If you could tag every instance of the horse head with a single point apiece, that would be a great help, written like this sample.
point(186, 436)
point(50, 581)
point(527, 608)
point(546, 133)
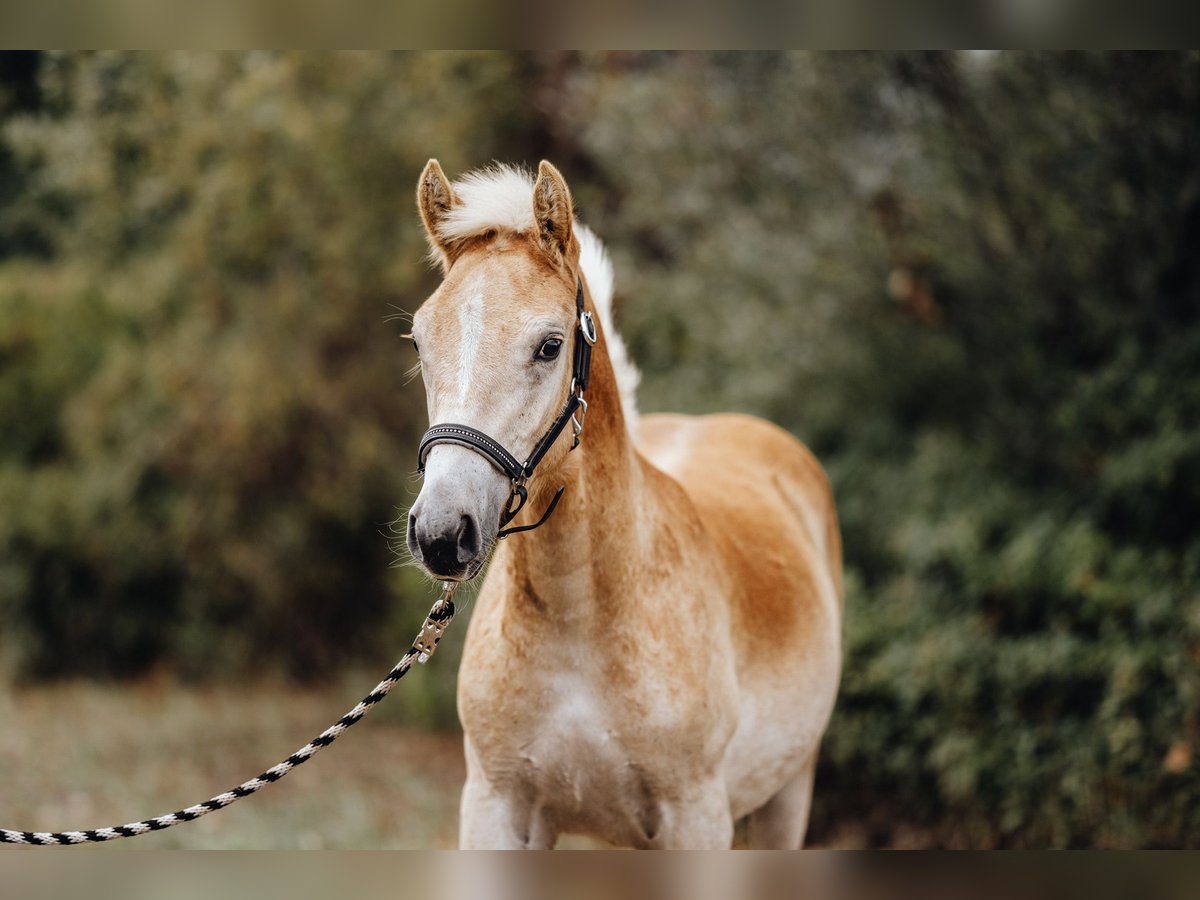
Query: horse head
point(497, 342)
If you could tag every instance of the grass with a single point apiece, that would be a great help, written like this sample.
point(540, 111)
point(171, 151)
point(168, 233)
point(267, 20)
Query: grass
point(83, 755)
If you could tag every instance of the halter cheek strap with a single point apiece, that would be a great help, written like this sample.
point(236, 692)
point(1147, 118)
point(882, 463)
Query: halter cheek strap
point(573, 411)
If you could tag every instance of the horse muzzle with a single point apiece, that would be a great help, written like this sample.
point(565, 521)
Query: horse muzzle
point(446, 548)
point(452, 527)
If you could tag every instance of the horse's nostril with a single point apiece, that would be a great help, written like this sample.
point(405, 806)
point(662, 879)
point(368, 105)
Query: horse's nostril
point(444, 549)
point(468, 540)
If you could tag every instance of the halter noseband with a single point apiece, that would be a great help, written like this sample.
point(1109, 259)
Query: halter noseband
point(519, 473)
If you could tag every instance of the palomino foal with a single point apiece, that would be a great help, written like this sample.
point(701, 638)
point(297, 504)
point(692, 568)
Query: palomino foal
point(661, 657)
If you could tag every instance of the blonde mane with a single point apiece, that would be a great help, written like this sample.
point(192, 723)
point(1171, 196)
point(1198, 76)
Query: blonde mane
point(500, 198)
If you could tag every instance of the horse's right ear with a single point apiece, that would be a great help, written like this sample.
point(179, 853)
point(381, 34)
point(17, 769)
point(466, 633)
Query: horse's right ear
point(435, 198)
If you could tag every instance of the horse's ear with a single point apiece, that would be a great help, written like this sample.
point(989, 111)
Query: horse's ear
point(435, 198)
point(552, 212)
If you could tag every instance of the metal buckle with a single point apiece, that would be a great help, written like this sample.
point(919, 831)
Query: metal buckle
point(587, 327)
point(516, 500)
point(578, 417)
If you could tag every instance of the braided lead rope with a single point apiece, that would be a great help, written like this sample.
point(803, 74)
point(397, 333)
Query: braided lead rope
point(422, 649)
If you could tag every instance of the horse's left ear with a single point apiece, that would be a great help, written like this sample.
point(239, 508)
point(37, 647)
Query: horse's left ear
point(553, 213)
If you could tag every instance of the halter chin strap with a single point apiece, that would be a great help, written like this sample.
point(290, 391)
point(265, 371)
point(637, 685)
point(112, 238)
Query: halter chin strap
point(519, 473)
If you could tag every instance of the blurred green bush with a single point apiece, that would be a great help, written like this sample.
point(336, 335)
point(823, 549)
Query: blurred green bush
point(206, 424)
point(969, 281)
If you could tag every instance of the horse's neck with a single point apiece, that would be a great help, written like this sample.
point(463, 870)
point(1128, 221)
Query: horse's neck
point(572, 569)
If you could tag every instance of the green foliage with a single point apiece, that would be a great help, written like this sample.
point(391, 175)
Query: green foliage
point(971, 285)
point(209, 429)
point(968, 282)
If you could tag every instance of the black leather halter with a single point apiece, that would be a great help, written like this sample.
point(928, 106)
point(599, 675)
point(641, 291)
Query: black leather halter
point(491, 449)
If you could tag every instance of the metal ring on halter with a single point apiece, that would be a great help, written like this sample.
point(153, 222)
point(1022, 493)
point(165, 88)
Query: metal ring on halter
point(578, 417)
point(515, 503)
point(587, 327)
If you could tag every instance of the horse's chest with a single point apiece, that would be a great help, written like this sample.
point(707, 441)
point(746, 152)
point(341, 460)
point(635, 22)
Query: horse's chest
point(577, 755)
point(578, 744)
point(595, 774)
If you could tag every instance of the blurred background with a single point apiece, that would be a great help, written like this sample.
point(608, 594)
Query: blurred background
point(969, 281)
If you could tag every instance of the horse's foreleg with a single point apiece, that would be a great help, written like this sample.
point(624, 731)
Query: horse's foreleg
point(495, 820)
point(781, 822)
point(701, 821)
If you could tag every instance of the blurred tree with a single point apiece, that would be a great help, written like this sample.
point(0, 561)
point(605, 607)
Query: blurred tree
point(19, 94)
point(970, 283)
point(209, 429)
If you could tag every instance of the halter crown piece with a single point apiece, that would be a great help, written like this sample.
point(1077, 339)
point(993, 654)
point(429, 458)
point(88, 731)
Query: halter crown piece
point(491, 449)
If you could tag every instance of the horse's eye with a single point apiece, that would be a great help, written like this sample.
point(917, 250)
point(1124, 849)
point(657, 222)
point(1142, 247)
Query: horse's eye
point(550, 349)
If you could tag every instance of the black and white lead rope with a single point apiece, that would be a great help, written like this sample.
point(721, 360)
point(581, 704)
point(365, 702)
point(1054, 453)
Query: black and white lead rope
point(431, 633)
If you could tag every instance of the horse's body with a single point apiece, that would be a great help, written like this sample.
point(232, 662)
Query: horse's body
point(662, 656)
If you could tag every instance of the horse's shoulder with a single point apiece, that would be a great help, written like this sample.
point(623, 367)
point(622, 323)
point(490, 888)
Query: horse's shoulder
point(761, 492)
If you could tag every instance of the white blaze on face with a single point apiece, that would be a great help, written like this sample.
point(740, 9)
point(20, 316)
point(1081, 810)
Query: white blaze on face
point(470, 327)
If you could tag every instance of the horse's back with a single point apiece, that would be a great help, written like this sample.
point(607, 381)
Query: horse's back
point(766, 503)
